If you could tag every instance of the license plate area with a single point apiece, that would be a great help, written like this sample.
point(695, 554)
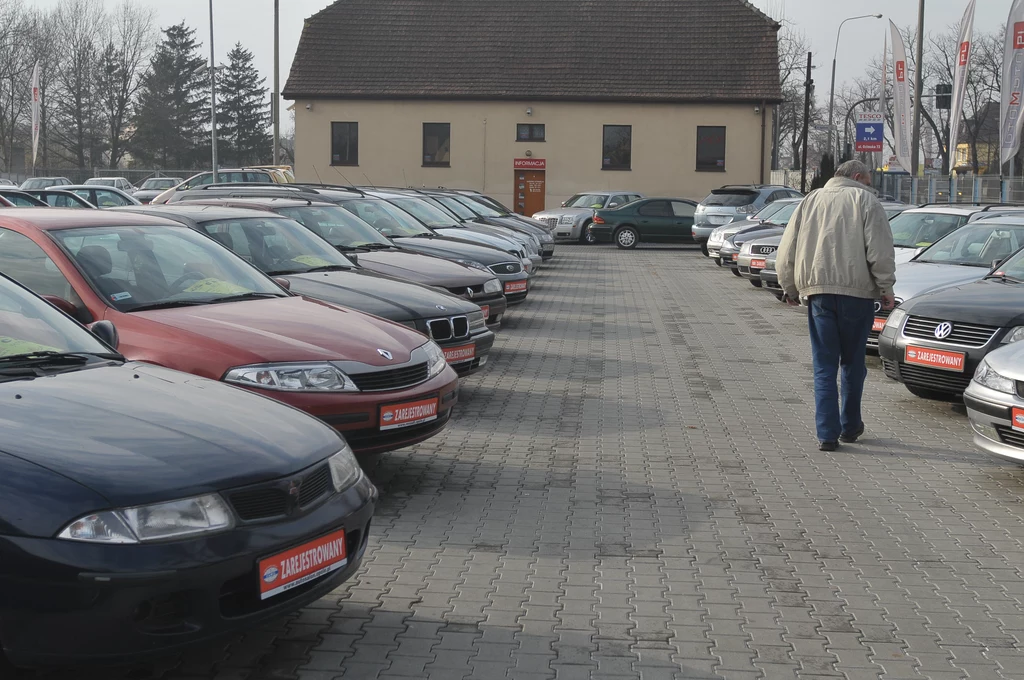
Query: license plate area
point(461, 353)
point(408, 413)
point(935, 358)
point(515, 287)
point(757, 264)
point(877, 325)
point(486, 309)
point(304, 563)
point(1017, 419)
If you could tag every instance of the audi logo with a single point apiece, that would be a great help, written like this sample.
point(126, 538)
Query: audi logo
point(943, 330)
point(767, 250)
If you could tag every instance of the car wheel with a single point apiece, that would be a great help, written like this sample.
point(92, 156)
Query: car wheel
point(718, 261)
point(934, 395)
point(704, 248)
point(756, 283)
point(627, 238)
point(586, 238)
point(735, 272)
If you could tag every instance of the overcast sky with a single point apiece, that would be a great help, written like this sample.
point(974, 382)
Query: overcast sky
point(251, 22)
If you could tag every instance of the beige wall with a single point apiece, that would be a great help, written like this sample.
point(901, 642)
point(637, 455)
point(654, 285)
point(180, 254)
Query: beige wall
point(483, 145)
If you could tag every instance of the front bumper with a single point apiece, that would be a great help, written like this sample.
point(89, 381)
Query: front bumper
point(516, 288)
point(547, 250)
point(701, 232)
point(730, 256)
point(770, 280)
point(569, 232)
point(358, 414)
point(991, 416)
point(746, 270)
point(469, 355)
point(892, 349)
point(69, 603)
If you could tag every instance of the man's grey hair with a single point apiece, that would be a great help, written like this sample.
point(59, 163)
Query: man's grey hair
point(852, 169)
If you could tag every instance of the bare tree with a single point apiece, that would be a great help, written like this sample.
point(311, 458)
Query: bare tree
point(793, 49)
point(76, 104)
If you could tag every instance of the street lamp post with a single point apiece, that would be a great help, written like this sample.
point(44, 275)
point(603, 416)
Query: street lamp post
point(832, 89)
point(276, 103)
point(915, 147)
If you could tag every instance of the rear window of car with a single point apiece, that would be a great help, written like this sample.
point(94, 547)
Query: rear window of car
point(730, 199)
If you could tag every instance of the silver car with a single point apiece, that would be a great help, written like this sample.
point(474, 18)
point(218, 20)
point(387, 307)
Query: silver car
point(719, 235)
point(995, 405)
point(573, 219)
point(733, 203)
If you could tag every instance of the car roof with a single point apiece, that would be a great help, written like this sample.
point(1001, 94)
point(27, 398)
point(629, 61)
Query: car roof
point(199, 212)
point(266, 202)
point(961, 210)
point(47, 219)
point(90, 187)
point(606, 192)
point(668, 198)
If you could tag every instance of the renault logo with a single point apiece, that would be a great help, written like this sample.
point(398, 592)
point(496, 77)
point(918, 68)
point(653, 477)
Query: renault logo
point(943, 330)
point(469, 292)
point(384, 353)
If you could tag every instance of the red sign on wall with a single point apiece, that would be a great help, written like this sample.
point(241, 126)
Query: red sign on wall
point(530, 164)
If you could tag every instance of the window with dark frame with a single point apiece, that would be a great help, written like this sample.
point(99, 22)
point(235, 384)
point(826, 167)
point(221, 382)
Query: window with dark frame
point(617, 149)
point(710, 148)
point(530, 132)
point(344, 143)
point(437, 142)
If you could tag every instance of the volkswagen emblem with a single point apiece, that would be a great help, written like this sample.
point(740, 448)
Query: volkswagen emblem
point(878, 306)
point(441, 307)
point(384, 353)
point(943, 330)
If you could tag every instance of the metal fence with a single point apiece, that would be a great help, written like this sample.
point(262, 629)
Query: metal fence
point(975, 189)
point(79, 175)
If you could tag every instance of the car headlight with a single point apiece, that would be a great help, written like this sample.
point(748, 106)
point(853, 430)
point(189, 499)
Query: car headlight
point(546, 238)
point(1014, 335)
point(435, 359)
point(476, 321)
point(474, 265)
point(896, 318)
point(492, 286)
point(344, 469)
point(566, 219)
point(156, 522)
point(987, 376)
point(318, 377)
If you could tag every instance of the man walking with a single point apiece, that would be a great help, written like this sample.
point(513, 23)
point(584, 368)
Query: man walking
point(837, 251)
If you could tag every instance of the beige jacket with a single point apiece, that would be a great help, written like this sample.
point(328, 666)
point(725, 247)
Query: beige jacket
point(838, 242)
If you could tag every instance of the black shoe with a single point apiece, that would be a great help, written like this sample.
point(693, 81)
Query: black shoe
point(851, 437)
point(828, 446)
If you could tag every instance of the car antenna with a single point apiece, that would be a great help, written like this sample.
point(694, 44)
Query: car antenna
point(368, 181)
point(342, 175)
point(317, 175)
point(404, 178)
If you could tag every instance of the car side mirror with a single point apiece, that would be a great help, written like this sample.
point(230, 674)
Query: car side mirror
point(106, 332)
point(283, 282)
point(996, 263)
point(61, 304)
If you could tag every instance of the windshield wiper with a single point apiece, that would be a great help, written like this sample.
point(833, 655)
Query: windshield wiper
point(244, 296)
point(424, 234)
point(168, 305)
point(374, 246)
point(328, 268)
point(53, 358)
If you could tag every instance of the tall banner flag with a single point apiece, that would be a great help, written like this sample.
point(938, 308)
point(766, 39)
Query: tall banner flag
point(35, 113)
point(881, 94)
point(963, 65)
point(1010, 119)
point(901, 111)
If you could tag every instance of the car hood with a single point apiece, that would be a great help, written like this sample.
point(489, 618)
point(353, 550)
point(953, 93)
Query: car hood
point(756, 232)
point(141, 434)
point(453, 248)
point(422, 268)
point(1008, 361)
point(291, 329)
point(987, 303)
point(736, 227)
point(479, 237)
point(378, 295)
point(905, 254)
point(917, 278)
point(559, 212)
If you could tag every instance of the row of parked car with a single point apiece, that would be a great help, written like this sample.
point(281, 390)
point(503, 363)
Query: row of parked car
point(960, 304)
point(184, 387)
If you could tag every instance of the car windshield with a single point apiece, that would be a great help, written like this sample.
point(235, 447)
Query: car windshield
point(429, 215)
point(478, 207)
point(730, 198)
point(337, 226)
point(38, 183)
point(101, 181)
point(487, 200)
point(62, 199)
point(920, 229)
point(769, 210)
point(975, 245)
point(587, 201)
point(22, 200)
point(892, 212)
point(782, 215)
point(456, 207)
point(385, 218)
point(28, 326)
point(1013, 268)
point(277, 245)
point(160, 183)
point(137, 267)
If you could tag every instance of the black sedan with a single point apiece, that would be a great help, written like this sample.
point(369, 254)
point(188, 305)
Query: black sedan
point(284, 249)
point(934, 342)
point(143, 510)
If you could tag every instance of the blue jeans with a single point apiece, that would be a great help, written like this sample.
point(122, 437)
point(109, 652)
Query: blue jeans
point(839, 326)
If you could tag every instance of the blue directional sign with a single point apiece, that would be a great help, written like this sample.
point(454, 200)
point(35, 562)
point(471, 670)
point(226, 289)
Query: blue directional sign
point(870, 131)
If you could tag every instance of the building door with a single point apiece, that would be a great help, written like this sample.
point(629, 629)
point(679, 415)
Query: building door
point(529, 191)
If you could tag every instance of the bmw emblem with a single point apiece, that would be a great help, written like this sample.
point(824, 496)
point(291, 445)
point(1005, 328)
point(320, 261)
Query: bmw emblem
point(943, 330)
point(878, 306)
point(384, 353)
point(441, 307)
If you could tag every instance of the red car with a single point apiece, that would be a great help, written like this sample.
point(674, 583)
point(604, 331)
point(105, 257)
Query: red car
point(183, 301)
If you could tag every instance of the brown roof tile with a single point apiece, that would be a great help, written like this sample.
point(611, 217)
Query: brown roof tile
point(584, 50)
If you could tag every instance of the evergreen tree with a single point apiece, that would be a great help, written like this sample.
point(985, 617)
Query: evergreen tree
point(243, 107)
point(173, 103)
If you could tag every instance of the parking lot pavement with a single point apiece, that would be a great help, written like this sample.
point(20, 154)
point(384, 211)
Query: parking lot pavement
point(632, 490)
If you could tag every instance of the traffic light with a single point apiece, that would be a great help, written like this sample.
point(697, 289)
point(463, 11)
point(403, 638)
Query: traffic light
point(943, 96)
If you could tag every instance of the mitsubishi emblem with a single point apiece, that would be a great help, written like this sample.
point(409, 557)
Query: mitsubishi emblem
point(943, 330)
point(384, 353)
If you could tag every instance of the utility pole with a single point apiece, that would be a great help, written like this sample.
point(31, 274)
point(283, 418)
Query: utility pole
point(276, 103)
point(213, 99)
point(915, 147)
point(808, 87)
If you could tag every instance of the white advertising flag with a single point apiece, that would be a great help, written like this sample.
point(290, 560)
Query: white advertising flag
point(1010, 113)
point(963, 65)
point(35, 113)
point(901, 111)
point(881, 94)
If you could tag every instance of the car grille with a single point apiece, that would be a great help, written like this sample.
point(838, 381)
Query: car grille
point(1010, 436)
point(1020, 389)
point(507, 268)
point(933, 379)
point(391, 379)
point(272, 500)
point(467, 291)
point(763, 250)
point(449, 329)
point(873, 334)
point(552, 221)
point(964, 334)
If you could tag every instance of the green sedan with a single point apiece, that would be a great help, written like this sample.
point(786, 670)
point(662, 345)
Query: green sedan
point(648, 220)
